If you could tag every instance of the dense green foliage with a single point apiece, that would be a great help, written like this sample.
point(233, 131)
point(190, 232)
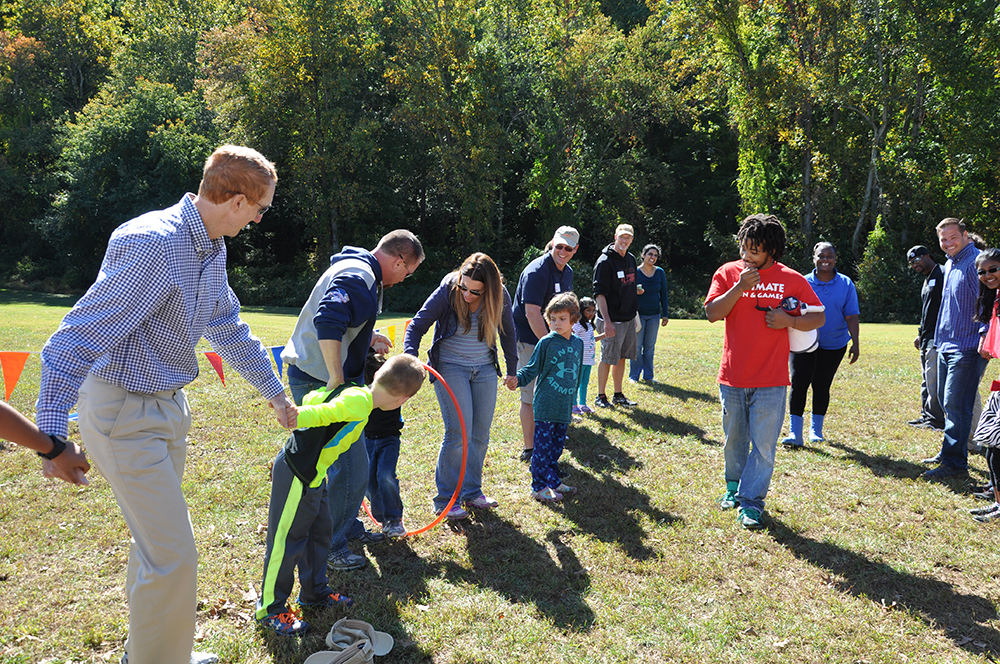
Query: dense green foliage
point(486, 124)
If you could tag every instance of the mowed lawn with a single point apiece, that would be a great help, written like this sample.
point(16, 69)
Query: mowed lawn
point(861, 562)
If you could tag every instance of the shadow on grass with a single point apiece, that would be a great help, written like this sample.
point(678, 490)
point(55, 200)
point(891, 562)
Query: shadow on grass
point(885, 466)
point(596, 451)
point(682, 394)
point(936, 603)
point(668, 424)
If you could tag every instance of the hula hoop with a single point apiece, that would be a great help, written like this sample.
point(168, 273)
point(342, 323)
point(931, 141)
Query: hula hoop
point(461, 473)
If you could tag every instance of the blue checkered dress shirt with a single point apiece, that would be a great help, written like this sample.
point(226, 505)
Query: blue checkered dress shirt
point(161, 288)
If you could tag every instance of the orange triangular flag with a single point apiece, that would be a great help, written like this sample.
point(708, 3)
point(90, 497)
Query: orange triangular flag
point(392, 334)
point(216, 362)
point(406, 325)
point(12, 363)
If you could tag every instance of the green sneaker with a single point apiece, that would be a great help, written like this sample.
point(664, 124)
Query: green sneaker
point(750, 518)
point(728, 500)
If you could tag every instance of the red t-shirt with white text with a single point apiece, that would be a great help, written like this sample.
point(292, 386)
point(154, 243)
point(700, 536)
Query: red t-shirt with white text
point(754, 355)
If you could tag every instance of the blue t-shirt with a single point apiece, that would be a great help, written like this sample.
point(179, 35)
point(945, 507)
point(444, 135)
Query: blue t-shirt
point(539, 281)
point(840, 298)
point(556, 362)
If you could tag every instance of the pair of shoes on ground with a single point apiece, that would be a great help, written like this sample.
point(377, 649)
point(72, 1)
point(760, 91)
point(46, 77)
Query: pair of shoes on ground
point(394, 528)
point(986, 514)
point(196, 658)
point(944, 471)
point(618, 399)
point(582, 410)
point(550, 495)
point(979, 511)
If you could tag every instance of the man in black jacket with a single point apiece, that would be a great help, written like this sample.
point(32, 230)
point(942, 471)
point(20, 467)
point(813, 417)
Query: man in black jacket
point(615, 291)
point(931, 412)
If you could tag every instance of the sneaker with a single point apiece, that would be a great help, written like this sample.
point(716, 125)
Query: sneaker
point(984, 495)
point(394, 528)
point(750, 518)
point(566, 490)
point(976, 511)
point(546, 495)
point(578, 410)
point(456, 513)
point(286, 624)
point(333, 599)
point(728, 500)
point(526, 455)
point(622, 400)
point(587, 410)
point(602, 401)
point(917, 422)
point(345, 560)
point(944, 471)
point(482, 503)
point(932, 461)
point(368, 537)
point(989, 516)
point(576, 418)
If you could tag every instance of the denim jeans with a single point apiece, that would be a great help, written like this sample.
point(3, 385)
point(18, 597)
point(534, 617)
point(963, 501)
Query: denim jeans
point(383, 485)
point(346, 479)
point(752, 419)
point(959, 373)
point(647, 348)
point(475, 389)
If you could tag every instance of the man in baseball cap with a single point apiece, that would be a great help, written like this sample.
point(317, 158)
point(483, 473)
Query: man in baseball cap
point(931, 411)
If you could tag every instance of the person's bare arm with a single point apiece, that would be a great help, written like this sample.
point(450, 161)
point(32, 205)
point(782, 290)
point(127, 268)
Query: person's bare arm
point(609, 327)
point(855, 330)
point(331, 355)
point(533, 313)
point(720, 307)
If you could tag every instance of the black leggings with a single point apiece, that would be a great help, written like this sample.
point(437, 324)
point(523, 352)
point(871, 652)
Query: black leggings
point(993, 463)
point(817, 369)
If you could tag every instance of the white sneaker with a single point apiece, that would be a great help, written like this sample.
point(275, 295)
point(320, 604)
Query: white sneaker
point(482, 502)
point(546, 495)
point(565, 489)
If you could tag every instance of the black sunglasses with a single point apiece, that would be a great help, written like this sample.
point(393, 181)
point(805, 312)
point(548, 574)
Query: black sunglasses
point(466, 289)
point(989, 271)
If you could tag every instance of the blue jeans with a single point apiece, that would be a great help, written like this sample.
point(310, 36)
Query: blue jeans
point(346, 479)
point(475, 389)
point(646, 348)
point(383, 485)
point(958, 378)
point(752, 419)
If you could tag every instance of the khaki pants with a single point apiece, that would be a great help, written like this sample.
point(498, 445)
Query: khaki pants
point(138, 442)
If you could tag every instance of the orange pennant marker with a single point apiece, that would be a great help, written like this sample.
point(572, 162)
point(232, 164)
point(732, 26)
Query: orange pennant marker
point(216, 362)
point(12, 363)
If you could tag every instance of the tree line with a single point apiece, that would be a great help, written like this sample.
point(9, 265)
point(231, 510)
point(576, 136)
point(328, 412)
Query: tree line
point(486, 124)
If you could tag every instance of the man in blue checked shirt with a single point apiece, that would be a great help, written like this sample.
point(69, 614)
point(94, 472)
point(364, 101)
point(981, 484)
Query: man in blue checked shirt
point(127, 349)
point(957, 339)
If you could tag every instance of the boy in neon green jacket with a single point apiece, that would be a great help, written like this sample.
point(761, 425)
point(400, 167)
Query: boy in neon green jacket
point(299, 527)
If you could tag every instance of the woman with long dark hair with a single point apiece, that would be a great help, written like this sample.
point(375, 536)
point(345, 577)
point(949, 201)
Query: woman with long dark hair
point(471, 308)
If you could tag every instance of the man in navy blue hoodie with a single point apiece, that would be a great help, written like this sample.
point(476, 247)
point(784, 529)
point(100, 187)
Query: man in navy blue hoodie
point(328, 348)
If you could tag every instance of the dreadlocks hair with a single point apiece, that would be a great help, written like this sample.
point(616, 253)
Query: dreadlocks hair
point(987, 296)
point(765, 232)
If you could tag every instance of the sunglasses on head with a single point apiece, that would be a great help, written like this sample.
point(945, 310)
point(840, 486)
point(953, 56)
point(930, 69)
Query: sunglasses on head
point(988, 271)
point(466, 289)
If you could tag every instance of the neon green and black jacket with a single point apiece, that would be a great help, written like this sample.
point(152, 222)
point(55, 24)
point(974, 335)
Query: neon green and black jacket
point(330, 422)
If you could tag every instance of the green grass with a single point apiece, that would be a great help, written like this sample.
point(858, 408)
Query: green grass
point(862, 562)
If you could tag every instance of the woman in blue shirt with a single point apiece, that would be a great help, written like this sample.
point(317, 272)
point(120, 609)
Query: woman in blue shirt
point(838, 294)
point(471, 308)
point(651, 286)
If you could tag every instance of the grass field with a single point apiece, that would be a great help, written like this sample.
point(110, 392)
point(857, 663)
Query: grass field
point(861, 562)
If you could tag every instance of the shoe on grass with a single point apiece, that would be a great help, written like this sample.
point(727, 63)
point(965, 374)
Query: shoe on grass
point(586, 410)
point(394, 528)
point(456, 513)
point(566, 490)
point(986, 494)
point(932, 461)
point(578, 410)
point(368, 537)
point(750, 518)
point(602, 401)
point(791, 441)
point(988, 517)
point(345, 560)
point(546, 495)
point(621, 400)
point(526, 455)
point(728, 499)
point(977, 511)
point(333, 599)
point(482, 502)
point(917, 422)
point(285, 624)
point(944, 471)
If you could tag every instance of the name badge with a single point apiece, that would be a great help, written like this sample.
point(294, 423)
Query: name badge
point(558, 288)
point(621, 274)
point(931, 283)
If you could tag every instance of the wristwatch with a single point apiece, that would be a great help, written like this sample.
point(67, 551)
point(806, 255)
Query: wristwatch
point(58, 445)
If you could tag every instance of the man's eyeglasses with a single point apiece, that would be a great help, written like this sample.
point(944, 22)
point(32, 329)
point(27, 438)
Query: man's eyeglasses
point(988, 271)
point(262, 208)
point(409, 272)
point(466, 289)
point(563, 247)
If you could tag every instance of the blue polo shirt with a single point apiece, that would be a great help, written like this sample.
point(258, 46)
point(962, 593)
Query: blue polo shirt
point(840, 298)
point(957, 329)
point(539, 282)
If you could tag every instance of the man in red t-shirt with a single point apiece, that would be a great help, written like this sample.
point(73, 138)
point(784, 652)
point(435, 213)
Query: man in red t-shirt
point(753, 295)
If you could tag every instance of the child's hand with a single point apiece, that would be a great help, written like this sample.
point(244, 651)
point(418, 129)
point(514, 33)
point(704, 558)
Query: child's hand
point(510, 382)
